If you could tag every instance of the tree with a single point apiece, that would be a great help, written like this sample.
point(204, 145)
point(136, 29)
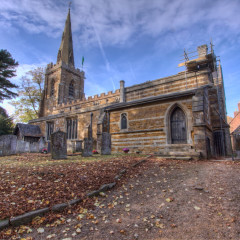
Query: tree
point(6, 123)
point(30, 93)
point(7, 70)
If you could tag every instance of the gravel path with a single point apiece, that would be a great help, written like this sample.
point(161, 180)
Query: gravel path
point(170, 200)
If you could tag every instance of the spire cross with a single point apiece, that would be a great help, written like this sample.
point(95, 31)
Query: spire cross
point(69, 5)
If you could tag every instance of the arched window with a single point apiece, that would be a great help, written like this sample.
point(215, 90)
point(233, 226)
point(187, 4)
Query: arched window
point(52, 88)
point(71, 89)
point(72, 128)
point(178, 126)
point(123, 121)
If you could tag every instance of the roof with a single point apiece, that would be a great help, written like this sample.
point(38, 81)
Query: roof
point(28, 130)
point(160, 97)
point(236, 131)
point(65, 53)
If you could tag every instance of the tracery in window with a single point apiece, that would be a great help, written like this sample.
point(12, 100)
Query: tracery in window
point(72, 126)
point(50, 128)
point(123, 121)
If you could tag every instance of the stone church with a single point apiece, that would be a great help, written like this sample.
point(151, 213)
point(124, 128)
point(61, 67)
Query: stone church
point(179, 115)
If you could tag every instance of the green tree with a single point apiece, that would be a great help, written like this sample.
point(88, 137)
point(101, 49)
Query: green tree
point(30, 93)
point(7, 70)
point(6, 123)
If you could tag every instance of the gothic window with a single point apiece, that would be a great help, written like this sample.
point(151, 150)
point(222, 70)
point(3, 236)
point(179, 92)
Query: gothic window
point(71, 89)
point(72, 126)
point(178, 126)
point(52, 88)
point(50, 128)
point(123, 121)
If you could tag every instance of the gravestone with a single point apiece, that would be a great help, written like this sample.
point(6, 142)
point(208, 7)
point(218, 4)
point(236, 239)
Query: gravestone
point(49, 147)
point(88, 140)
point(106, 143)
point(8, 145)
point(41, 144)
point(79, 145)
point(59, 145)
point(88, 147)
point(238, 154)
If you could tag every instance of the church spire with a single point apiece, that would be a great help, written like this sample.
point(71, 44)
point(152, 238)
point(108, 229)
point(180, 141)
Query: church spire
point(65, 52)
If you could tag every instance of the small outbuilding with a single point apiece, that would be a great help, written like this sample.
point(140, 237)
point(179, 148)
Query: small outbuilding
point(27, 132)
point(236, 139)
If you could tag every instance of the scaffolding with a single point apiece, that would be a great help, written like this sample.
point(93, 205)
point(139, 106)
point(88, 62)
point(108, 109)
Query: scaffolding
point(205, 58)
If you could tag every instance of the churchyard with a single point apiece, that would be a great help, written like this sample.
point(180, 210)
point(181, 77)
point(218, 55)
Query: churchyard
point(157, 199)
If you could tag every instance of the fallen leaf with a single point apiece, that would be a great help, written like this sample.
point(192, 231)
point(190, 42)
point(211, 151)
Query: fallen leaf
point(170, 199)
point(197, 208)
point(40, 230)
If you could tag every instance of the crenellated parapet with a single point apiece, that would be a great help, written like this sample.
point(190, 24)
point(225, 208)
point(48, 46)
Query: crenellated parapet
point(97, 101)
point(51, 68)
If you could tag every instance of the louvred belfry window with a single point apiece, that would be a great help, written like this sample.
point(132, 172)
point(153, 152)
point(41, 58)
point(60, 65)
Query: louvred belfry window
point(52, 88)
point(71, 89)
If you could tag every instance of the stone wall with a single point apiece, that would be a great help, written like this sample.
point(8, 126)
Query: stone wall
point(9, 144)
point(146, 129)
point(175, 83)
point(235, 122)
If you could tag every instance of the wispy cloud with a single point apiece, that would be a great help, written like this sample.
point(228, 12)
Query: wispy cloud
point(22, 69)
point(121, 22)
point(107, 64)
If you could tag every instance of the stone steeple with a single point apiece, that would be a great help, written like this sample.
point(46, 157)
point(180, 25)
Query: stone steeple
point(65, 52)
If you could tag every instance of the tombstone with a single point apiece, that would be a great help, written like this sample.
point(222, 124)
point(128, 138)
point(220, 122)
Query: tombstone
point(88, 147)
point(41, 144)
point(59, 145)
point(106, 144)
point(49, 147)
point(8, 144)
point(88, 141)
point(79, 145)
point(238, 154)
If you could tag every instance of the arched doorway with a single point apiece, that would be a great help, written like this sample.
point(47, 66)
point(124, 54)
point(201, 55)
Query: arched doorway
point(178, 126)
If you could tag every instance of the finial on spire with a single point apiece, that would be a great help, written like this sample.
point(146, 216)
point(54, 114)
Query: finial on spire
point(69, 5)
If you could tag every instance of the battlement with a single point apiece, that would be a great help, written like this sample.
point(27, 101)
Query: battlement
point(98, 99)
point(53, 67)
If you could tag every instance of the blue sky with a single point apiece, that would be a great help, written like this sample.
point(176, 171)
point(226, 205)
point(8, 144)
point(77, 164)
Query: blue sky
point(133, 40)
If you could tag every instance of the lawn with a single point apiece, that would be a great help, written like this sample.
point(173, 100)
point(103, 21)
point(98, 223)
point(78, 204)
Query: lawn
point(33, 181)
point(159, 199)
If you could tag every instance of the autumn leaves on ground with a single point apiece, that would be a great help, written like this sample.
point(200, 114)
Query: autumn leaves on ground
point(159, 199)
point(32, 181)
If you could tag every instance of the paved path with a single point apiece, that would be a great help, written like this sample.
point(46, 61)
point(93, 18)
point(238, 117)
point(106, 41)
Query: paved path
point(170, 200)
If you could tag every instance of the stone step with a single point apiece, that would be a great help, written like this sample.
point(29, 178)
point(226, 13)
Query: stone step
point(176, 153)
point(179, 148)
point(179, 155)
point(187, 158)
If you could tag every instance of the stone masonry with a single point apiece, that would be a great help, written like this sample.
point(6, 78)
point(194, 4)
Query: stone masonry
point(183, 114)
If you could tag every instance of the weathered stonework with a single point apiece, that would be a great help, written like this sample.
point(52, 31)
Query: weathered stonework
point(183, 114)
point(59, 145)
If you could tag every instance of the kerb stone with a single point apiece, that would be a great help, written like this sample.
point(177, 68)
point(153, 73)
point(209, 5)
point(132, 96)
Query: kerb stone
point(4, 224)
point(27, 217)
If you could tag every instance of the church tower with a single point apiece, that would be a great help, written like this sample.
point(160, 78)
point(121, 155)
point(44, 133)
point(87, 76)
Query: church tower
point(63, 82)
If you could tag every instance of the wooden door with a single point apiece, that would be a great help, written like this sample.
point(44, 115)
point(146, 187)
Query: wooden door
point(219, 143)
point(178, 126)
